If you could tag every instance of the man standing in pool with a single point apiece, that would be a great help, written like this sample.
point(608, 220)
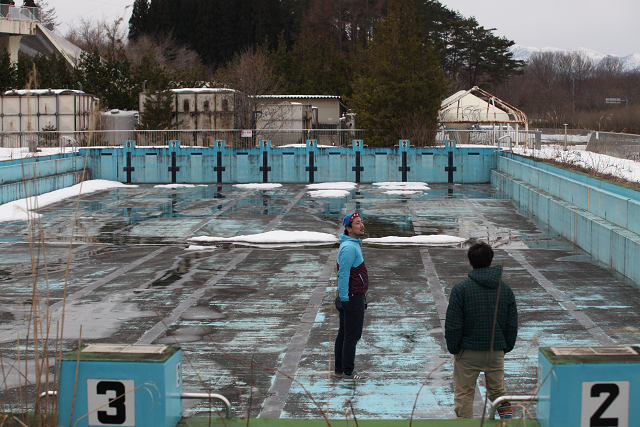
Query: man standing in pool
point(353, 283)
point(481, 327)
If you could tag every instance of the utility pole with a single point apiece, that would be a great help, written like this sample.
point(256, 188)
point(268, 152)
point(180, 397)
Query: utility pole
point(573, 99)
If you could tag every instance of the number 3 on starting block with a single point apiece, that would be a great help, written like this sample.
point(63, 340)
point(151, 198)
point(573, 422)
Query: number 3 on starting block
point(111, 402)
point(605, 404)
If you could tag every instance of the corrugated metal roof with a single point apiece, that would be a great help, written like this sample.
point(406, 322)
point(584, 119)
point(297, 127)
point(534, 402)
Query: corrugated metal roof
point(299, 96)
point(42, 92)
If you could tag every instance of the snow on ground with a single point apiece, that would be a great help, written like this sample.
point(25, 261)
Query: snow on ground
point(174, 186)
point(402, 187)
point(578, 156)
point(281, 237)
point(276, 236)
point(302, 146)
point(257, 186)
point(331, 189)
point(21, 210)
point(199, 248)
point(436, 239)
point(21, 153)
point(328, 193)
point(332, 186)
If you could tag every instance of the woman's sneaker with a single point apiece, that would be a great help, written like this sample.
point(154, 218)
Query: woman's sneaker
point(354, 377)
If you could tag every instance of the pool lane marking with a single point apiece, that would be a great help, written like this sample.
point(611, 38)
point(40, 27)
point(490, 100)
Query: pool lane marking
point(595, 331)
point(149, 336)
point(564, 301)
point(54, 308)
point(279, 391)
point(152, 334)
point(204, 222)
point(10, 335)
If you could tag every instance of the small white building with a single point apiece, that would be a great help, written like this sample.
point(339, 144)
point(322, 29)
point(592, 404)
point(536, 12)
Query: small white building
point(329, 107)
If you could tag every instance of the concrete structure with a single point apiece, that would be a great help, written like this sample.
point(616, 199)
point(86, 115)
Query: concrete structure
point(206, 109)
point(20, 29)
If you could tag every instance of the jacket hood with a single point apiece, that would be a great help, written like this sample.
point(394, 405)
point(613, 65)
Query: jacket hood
point(345, 238)
point(486, 277)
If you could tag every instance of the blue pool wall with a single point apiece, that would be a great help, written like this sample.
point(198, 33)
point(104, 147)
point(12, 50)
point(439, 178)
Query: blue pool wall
point(599, 217)
point(304, 164)
point(21, 178)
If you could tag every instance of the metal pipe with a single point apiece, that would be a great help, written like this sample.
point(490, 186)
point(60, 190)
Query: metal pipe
point(209, 396)
point(498, 401)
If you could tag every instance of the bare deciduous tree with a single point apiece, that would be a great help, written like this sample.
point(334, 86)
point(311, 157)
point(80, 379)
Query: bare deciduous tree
point(168, 51)
point(252, 73)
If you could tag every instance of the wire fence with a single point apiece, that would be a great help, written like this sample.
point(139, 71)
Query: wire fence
point(622, 145)
point(252, 138)
point(14, 13)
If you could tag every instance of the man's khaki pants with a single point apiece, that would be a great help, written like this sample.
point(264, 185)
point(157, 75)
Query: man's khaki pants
point(467, 366)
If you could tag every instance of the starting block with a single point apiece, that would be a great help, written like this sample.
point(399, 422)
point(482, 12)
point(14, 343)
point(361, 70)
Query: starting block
point(588, 386)
point(120, 385)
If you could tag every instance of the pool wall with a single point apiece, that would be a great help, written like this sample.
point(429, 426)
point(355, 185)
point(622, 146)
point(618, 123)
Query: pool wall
point(23, 178)
point(599, 217)
point(299, 164)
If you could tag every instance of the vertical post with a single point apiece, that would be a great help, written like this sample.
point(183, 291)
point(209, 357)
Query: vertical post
point(357, 146)
point(265, 168)
point(174, 168)
point(404, 145)
point(219, 145)
point(128, 148)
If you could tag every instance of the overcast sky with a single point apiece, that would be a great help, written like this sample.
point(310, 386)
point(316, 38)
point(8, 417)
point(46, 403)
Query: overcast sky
point(610, 27)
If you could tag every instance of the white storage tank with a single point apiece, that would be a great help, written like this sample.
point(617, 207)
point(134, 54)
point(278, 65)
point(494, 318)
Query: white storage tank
point(60, 110)
point(120, 125)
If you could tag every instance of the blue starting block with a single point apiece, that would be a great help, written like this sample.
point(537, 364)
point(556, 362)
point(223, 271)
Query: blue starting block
point(588, 386)
point(120, 385)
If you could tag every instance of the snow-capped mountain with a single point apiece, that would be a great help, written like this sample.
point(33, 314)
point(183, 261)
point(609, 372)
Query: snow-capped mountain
point(631, 62)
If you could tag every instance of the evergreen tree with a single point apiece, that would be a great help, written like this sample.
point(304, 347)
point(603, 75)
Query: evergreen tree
point(313, 66)
point(138, 21)
point(8, 72)
point(158, 111)
point(29, 3)
point(401, 83)
point(48, 16)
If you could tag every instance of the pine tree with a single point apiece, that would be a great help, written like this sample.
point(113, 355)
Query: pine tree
point(8, 72)
point(157, 111)
point(401, 83)
point(138, 21)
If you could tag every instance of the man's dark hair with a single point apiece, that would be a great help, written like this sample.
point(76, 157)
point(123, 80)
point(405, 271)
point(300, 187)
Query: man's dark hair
point(345, 229)
point(480, 255)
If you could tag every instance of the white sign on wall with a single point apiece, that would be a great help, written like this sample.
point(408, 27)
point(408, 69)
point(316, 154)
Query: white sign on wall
point(246, 133)
point(605, 403)
point(111, 402)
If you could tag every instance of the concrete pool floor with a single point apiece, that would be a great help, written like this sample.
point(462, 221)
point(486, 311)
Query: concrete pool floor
point(242, 312)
